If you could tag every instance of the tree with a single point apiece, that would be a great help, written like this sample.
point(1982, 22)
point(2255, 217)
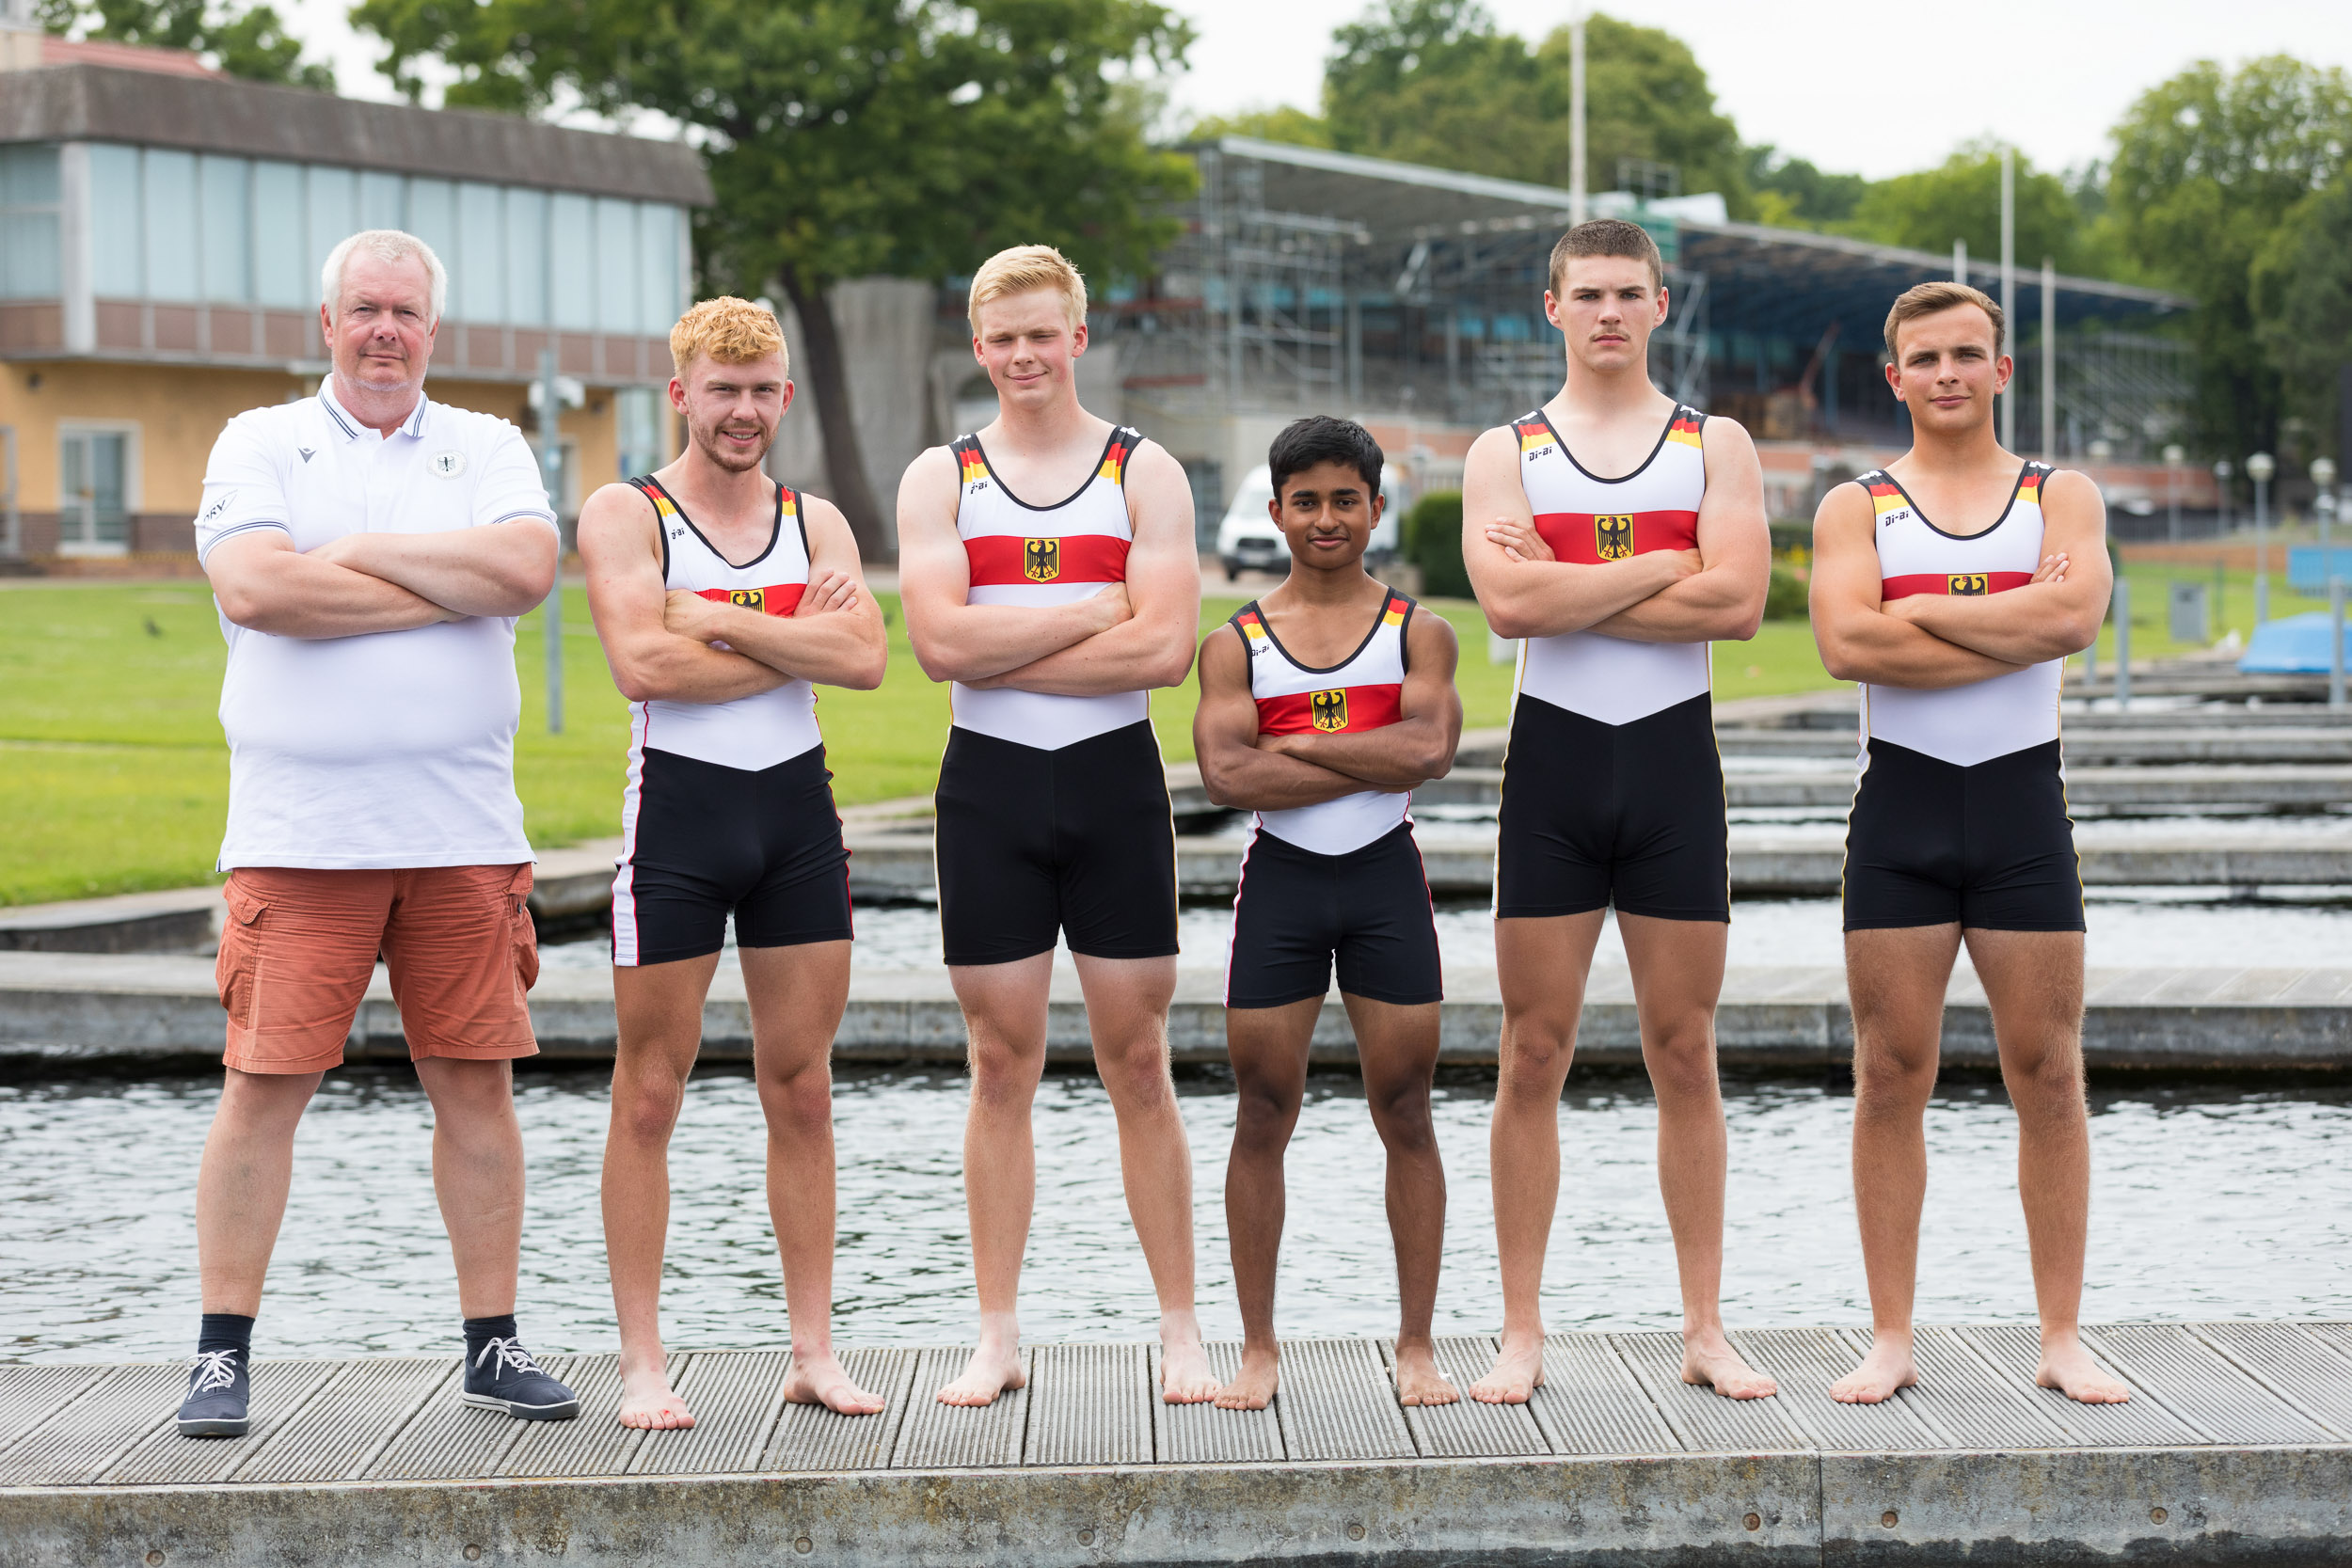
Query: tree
point(2301, 292)
point(1792, 193)
point(847, 138)
point(252, 43)
point(1283, 123)
point(1434, 82)
point(1960, 200)
point(2208, 168)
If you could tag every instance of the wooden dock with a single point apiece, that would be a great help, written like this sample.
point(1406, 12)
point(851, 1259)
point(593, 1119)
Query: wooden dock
point(2236, 1447)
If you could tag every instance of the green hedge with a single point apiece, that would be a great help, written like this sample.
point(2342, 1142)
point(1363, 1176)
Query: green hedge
point(1433, 541)
point(1785, 600)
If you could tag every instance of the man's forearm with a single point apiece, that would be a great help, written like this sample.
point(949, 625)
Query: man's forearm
point(1394, 757)
point(1706, 607)
point(833, 648)
point(490, 571)
point(977, 642)
point(1549, 598)
point(678, 668)
point(1249, 778)
point(1886, 650)
point(289, 595)
point(2018, 626)
point(1132, 656)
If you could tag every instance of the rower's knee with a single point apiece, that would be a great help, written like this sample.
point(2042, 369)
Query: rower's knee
point(1537, 1048)
point(1135, 1071)
point(1004, 1069)
point(1680, 1056)
point(1264, 1117)
point(1402, 1119)
point(798, 1103)
point(2043, 1075)
point(645, 1108)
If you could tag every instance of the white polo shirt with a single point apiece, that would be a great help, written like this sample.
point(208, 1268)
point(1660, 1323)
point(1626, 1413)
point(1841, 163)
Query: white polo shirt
point(394, 748)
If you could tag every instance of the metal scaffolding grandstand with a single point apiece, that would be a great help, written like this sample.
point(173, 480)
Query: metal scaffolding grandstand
point(1308, 280)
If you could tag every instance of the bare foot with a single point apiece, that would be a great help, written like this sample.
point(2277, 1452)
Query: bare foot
point(1518, 1371)
point(1184, 1374)
point(992, 1369)
point(647, 1402)
point(1708, 1361)
point(1886, 1368)
point(817, 1378)
point(2067, 1367)
point(1418, 1380)
point(1253, 1387)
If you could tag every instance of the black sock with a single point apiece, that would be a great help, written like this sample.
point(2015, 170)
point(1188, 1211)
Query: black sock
point(480, 1331)
point(225, 1331)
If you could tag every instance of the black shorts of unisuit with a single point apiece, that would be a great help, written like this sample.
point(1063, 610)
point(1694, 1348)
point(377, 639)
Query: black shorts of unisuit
point(709, 841)
point(1076, 841)
point(1631, 814)
point(1987, 846)
point(1296, 911)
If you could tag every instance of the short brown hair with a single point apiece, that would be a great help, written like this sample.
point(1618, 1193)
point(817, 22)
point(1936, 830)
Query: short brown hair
point(729, 330)
point(1023, 268)
point(1926, 299)
point(1608, 237)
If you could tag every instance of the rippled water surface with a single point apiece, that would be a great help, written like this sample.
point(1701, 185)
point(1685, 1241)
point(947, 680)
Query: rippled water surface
point(2210, 1203)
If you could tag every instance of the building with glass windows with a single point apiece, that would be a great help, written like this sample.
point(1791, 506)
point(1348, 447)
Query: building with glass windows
point(161, 237)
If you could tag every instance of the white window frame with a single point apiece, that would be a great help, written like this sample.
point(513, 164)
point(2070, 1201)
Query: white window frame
point(132, 496)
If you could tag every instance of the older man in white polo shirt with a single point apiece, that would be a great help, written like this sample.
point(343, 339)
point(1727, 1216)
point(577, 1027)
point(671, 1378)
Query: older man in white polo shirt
point(369, 549)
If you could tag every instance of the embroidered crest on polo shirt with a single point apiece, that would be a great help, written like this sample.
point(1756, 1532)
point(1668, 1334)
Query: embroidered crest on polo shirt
point(449, 465)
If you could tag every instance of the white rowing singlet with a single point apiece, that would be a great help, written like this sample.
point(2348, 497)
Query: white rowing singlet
point(1363, 691)
point(1044, 555)
point(753, 732)
point(1589, 521)
point(1961, 724)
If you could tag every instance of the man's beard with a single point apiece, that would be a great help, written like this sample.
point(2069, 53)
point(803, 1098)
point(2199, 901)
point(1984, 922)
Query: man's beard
point(727, 457)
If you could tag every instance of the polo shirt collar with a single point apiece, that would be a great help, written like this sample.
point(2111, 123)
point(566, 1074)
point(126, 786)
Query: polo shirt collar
point(351, 427)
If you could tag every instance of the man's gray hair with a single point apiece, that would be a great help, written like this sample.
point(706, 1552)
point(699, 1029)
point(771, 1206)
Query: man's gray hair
point(384, 245)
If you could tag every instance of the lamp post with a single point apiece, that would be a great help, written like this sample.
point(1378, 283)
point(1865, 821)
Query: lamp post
point(2221, 471)
point(2172, 457)
point(2324, 478)
point(2259, 468)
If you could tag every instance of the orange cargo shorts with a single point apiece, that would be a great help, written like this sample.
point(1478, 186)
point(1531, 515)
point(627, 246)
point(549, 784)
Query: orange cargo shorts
point(300, 947)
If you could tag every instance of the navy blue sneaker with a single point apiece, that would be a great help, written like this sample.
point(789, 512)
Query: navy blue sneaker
point(503, 1376)
point(219, 1394)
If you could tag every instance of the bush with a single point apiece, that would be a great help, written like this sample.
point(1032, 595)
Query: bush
point(1433, 541)
point(1785, 600)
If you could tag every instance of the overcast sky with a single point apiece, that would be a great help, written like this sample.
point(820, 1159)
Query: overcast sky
point(1854, 84)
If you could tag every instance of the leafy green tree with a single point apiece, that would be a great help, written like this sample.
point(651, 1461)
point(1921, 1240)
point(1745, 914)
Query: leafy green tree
point(251, 43)
point(1435, 82)
point(1296, 127)
point(847, 138)
point(2302, 294)
point(1433, 541)
point(2209, 167)
point(1792, 193)
point(1960, 200)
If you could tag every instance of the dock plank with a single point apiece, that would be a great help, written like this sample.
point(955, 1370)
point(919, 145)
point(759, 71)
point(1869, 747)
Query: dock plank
point(1468, 1427)
point(338, 1430)
point(1337, 1403)
point(594, 1443)
point(1705, 1421)
point(1202, 1433)
point(733, 1396)
point(2202, 1385)
point(2015, 1349)
point(451, 1440)
point(1591, 1403)
point(30, 1395)
point(1804, 1362)
point(82, 1438)
point(1970, 1403)
point(1089, 1404)
point(2297, 1366)
point(811, 1437)
point(165, 1458)
point(937, 1436)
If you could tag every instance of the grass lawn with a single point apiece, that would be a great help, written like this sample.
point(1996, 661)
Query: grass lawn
point(114, 777)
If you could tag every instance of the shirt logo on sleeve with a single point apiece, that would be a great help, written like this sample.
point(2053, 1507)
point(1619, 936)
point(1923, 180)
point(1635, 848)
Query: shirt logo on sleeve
point(1329, 709)
point(449, 465)
point(219, 506)
point(1612, 537)
point(1040, 559)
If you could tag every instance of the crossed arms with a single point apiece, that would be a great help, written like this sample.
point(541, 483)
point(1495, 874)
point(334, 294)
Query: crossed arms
point(370, 582)
point(1133, 636)
point(1931, 640)
point(1714, 593)
point(658, 640)
point(1243, 769)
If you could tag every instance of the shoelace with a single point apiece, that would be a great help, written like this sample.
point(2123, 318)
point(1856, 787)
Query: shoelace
point(511, 1356)
point(215, 1369)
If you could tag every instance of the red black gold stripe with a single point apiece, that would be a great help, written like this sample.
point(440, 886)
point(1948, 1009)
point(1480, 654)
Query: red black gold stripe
point(780, 598)
point(1361, 707)
point(997, 559)
point(1959, 583)
point(1576, 536)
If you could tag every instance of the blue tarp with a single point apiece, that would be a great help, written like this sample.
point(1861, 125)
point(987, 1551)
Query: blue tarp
point(2292, 645)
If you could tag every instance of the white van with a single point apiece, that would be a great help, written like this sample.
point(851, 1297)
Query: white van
point(1248, 541)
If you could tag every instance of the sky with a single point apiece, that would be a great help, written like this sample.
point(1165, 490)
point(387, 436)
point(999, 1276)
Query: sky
point(1855, 86)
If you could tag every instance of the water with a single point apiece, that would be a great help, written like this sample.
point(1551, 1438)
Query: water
point(98, 1257)
point(2156, 927)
